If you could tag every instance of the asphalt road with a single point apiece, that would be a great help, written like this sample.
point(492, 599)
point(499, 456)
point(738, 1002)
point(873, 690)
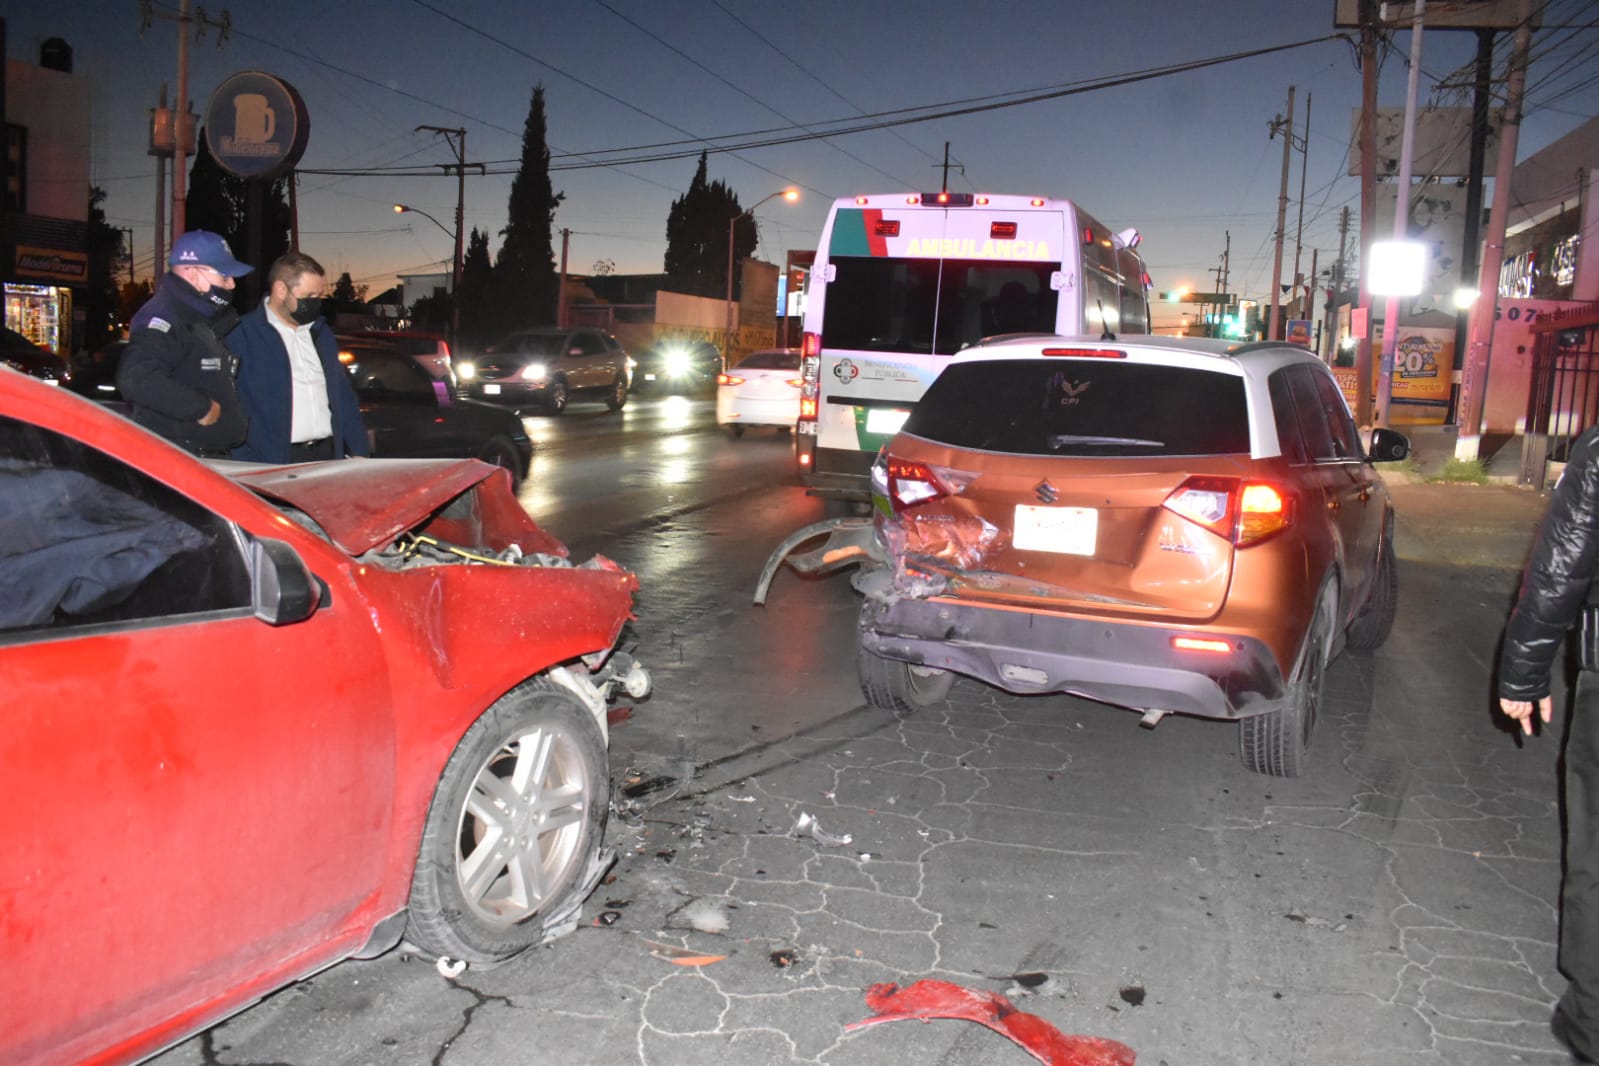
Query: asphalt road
point(1392, 907)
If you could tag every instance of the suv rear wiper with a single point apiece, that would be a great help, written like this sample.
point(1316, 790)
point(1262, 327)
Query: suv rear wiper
point(1062, 439)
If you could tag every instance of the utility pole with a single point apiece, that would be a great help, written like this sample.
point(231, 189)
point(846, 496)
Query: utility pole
point(1362, 326)
point(560, 292)
point(1471, 242)
point(183, 118)
point(948, 166)
point(161, 148)
point(179, 138)
point(1214, 310)
point(1331, 311)
point(1286, 127)
point(1474, 375)
point(1390, 319)
point(1299, 226)
point(1308, 298)
point(456, 139)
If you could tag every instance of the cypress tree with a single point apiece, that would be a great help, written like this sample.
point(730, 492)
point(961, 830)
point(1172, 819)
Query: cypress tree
point(525, 270)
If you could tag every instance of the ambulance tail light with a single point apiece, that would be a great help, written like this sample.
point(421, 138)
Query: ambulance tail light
point(886, 227)
point(810, 380)
point(1002, 231)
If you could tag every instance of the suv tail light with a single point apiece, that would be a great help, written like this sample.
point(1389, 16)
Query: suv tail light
point(1243, 512)
point(911, 483)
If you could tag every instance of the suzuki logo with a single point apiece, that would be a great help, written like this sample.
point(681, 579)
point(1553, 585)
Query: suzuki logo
point(1046, 492)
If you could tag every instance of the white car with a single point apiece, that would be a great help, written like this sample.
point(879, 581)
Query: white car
point(763, 390)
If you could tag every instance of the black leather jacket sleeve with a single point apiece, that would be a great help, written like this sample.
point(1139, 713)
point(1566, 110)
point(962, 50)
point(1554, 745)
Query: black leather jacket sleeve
point(1558, 577)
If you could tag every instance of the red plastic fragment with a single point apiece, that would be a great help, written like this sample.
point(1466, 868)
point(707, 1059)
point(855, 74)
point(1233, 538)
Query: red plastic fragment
point(927, 1000)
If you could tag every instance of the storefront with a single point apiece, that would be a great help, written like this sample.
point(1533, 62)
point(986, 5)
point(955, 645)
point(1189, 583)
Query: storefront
point(41, 313)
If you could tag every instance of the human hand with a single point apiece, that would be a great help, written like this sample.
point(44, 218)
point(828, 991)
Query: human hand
point(1521, 711)
point(211, 416)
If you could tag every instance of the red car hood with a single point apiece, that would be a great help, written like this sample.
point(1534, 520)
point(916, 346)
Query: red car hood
point(362, 503)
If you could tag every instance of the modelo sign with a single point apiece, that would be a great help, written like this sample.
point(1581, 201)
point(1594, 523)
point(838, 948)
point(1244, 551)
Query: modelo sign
point(256, 125)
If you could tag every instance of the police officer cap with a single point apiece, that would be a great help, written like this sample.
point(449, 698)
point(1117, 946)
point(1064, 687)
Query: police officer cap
point(200, 247)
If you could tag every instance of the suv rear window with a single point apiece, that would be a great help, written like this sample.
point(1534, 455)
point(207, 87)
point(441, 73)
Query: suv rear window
point(789, 360)
point(1084, 408)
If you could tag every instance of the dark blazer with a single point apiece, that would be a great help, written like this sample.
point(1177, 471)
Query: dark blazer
point(266, 391)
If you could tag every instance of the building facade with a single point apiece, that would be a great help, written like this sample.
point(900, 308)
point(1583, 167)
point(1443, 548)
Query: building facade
point(44, 258)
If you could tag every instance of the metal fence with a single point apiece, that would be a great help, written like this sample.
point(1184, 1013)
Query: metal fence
point(1564, 396)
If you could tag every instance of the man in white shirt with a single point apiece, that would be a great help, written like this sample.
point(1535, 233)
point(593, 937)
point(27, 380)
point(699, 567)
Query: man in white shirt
point(295, 392)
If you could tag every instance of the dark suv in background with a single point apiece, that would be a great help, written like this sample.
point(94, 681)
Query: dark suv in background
point(410, 414)
point(547, 368)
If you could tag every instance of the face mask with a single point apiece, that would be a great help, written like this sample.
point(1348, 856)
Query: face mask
point(219, 296)
point(306, 309)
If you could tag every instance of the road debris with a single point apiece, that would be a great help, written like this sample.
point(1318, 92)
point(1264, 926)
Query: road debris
point(680, 956)
point(784, 958)
point(701, 915)
point(926, 1000)
point(449, 968)
point(1027, 984)
point(806, 826)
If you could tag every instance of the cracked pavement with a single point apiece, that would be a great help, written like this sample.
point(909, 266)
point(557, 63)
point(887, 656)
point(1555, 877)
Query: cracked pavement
point(1396, 905)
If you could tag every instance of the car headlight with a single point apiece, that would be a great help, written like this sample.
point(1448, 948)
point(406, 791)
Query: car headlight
point(676, 363)
point(465, 371)
point(534, 372)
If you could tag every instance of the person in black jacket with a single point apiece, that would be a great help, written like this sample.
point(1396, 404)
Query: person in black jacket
point(176, 373)
point(1557, 591)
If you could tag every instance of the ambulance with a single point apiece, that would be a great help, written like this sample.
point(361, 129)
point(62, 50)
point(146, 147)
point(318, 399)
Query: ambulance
point(903, 281)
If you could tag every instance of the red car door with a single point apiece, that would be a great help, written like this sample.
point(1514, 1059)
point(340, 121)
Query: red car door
point(198, 801)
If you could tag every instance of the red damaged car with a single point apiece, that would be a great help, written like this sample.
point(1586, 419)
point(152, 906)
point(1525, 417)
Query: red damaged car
point(261, 719)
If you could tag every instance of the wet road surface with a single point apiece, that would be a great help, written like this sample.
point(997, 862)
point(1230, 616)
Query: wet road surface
point(1395, 905)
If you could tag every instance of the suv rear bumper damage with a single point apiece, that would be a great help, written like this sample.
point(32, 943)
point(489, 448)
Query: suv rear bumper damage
point(1028, 652)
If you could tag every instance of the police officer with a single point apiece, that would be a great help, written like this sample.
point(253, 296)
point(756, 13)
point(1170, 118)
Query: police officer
point(175, 372)
point(1558, 591)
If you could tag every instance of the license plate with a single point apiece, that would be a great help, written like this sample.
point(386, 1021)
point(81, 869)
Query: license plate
point(885, 421)
point(1063, 530)
point(491, 390)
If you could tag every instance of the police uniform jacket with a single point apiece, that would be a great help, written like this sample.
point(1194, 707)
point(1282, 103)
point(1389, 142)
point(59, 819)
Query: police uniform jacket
point(1558, 588)
point(175, 364)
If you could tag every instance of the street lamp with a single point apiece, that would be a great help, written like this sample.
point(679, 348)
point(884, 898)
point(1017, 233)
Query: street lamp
point(455, 266)
point(792, 196)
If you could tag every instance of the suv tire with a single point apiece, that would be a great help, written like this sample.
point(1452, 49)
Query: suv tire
point(892, 685)
point(1278, 742)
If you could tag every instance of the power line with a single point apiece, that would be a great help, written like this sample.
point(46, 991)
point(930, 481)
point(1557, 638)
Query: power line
point(897, 117)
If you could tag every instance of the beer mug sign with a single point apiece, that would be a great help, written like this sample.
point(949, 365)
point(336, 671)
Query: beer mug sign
point(254, 120)
point(256, 125)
